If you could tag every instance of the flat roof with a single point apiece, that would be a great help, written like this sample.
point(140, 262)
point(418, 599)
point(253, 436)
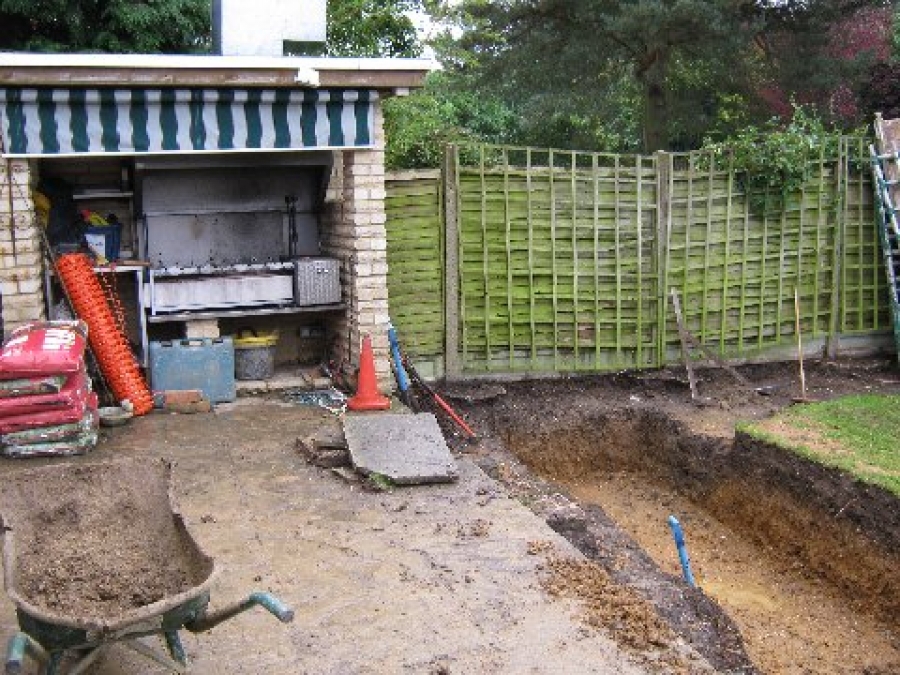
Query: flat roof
point(60, 70)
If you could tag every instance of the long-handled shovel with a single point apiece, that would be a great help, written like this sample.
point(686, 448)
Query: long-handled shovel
point(414, 374)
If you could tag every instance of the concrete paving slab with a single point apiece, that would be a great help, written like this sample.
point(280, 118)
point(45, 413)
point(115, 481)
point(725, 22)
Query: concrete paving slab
point(407, 449)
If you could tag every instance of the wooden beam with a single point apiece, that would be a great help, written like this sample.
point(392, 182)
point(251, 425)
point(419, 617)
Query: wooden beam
point(118, 76)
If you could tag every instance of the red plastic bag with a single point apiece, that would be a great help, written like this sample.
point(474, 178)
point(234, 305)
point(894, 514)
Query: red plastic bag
point(68, 415)
point(31, 386)
point(48, 348)
point(74, 392)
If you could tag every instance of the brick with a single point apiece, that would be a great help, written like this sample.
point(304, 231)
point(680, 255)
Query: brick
point(32, 285)
point(21, 314)
point(28, 245)
point(203, 406)
point(202, 329)
point(21, 259)
point(24, 300)
point(181, 397)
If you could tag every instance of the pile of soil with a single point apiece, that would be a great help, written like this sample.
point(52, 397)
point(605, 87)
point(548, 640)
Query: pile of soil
point(95, 541)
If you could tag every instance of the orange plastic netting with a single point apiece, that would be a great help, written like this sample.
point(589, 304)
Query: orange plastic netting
point(107, 340)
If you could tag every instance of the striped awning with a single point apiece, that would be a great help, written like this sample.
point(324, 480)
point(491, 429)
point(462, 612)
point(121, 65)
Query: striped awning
point(80, 121)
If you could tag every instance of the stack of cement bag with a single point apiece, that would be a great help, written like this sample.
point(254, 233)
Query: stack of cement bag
point(47, 407)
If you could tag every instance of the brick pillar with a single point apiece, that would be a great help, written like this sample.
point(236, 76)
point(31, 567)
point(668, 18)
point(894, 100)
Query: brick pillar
point(21, 262)
point(354, 231)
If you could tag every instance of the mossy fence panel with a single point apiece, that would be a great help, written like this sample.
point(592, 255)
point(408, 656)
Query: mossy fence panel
point(415, 253)
point(566, 261)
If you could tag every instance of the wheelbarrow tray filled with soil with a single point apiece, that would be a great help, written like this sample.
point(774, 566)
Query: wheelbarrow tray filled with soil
point(98, 553)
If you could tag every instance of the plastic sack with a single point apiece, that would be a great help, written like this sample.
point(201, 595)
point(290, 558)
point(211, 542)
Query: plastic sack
point(32, 386)
point(69, 415)
point(53, 434)
point(47, 348)
point(73, 393)
point(76, 446)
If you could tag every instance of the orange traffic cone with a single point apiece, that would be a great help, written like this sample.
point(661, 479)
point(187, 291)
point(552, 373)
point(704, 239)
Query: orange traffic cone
point(367, 396)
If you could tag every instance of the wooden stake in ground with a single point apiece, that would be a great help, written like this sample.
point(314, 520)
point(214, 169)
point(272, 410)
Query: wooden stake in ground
point(799, 344)
point(682, 334)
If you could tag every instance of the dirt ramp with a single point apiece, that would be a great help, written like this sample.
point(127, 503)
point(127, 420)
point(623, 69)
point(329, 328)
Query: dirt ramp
point(93, 541)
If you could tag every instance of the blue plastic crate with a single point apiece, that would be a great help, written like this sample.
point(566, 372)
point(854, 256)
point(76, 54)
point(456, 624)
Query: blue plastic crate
point(198, 363)
point(112, 239)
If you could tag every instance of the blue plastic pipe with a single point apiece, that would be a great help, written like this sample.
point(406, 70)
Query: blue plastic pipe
point(402, 377)
point(678, 534)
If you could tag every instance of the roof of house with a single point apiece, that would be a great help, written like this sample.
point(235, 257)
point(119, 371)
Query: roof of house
point(153, 70)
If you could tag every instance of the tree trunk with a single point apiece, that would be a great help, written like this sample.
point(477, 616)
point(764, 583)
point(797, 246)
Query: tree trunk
point(656, 108)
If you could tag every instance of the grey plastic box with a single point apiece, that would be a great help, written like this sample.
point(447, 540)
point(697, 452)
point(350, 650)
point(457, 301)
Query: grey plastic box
point(317, 281)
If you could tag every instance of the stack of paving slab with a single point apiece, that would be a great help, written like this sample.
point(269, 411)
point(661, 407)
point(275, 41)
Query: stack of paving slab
point(47, 406)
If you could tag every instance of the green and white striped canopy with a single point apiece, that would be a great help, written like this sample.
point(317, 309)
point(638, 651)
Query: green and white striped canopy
point(80, 121)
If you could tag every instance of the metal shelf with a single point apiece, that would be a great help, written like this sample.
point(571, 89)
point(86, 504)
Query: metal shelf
point(216, 212)
point(248, 311)
point(105, 194)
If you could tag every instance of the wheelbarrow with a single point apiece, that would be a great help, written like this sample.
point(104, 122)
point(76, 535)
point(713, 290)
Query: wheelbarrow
point(57, 516)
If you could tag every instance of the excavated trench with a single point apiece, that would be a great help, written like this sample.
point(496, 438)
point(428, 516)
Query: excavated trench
point(803, 559)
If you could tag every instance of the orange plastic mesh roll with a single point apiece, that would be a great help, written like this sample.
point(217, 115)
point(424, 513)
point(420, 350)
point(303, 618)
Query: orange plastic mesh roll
point(108, 342)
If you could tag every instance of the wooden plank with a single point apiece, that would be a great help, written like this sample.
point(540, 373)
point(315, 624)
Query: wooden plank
point(662, 246)
point(724, 310)
point(706, 256)
point(485, 256)
point(509, 278)
point(452, 262)
point(596, 231)
point(575, 249)
point(531, 287)
point(640, 276)
point(553, 260)
point(618, 259)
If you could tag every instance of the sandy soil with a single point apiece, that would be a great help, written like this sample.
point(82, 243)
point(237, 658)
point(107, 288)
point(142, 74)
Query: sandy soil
point(95, 541)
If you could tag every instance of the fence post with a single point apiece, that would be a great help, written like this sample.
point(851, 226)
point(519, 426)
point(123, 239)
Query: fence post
point(832, 342)
point(661, 248)
point(449, 176)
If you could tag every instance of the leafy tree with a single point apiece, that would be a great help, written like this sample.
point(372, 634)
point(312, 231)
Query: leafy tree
point(420, 125)
point(356, 27)
point(154, 26)
point(821, 55)
point(372, 28)
point(675, 64)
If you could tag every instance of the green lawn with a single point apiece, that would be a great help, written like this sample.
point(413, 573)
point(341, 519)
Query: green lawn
point(859, 434)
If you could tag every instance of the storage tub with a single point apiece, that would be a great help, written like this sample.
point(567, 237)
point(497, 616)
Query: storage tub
point(254, 355)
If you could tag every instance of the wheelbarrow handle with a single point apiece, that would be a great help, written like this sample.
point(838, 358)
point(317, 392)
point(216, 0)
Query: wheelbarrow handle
point(265, 600)
point(20, 645)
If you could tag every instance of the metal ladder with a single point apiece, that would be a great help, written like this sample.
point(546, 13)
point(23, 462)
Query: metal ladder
point(885, 156)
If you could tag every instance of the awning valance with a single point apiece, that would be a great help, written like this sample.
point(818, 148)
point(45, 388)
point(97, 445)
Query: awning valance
point(80, 121)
